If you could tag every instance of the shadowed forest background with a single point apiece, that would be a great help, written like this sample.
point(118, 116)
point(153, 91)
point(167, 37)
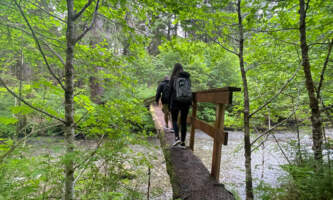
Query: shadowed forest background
point(74, 75)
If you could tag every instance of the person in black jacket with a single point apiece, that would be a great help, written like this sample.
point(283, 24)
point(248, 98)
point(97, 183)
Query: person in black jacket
point(163, 88)
point(177, 106)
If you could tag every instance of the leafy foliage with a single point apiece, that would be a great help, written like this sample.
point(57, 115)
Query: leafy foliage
point(301, 182)
point(131, 47)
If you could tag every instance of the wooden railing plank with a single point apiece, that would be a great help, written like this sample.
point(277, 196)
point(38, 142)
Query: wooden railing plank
point(224, 89)
point(218, 98)
point(208, 129)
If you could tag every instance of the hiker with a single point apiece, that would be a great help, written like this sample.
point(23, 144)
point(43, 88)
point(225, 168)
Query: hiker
point(180, 99)
point(163, 88)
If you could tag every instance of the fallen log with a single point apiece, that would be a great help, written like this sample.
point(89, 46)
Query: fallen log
point(189, 178)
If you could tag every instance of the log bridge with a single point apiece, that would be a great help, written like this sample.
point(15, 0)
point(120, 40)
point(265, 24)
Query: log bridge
point(189, 178)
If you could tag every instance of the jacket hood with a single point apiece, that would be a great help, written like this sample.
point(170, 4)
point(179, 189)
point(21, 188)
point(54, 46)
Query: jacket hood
point(184, 74)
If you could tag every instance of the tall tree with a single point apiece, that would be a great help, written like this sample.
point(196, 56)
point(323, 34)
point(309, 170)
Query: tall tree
point(72, 38)
point(317, 135)
point(247, 143)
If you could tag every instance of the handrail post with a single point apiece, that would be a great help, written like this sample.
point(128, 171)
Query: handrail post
point(194, 114)
point(217, 148)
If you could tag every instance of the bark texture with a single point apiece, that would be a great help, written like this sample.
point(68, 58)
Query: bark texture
point(22, 119)
point(247, 143)
point(69, 108)
point(96, 83)
point(314, 103)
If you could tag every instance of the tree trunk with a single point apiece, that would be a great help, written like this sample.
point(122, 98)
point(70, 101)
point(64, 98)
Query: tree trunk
point(314, 104)
point(96, 87)
point(169, 28)
point(247, 143)
point(95, 83)
point(69, 108)
point(22, 120)
point(157, 33)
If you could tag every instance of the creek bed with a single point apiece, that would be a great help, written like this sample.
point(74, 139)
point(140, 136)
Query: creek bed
point(266, 160)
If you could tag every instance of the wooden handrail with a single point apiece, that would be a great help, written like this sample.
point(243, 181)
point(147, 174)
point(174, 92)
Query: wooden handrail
point(221, 97)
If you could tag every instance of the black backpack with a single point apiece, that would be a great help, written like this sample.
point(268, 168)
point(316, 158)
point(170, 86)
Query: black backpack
point(183, 90)
point(165, 93)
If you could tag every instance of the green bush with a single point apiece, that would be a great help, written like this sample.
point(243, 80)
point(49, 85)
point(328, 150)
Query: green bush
point(302, 182)
point(7, 121)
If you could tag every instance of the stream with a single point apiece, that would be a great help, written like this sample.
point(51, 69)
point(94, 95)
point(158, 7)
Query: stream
point(266, 160)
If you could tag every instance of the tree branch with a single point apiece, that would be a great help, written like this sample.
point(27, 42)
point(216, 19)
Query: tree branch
point(271, 31)
point(326, 110)
point(307, 6)
point(14, 146)
point(269, 130)
point(219, 43)
point(81, 118)
point(87, 160)
point(317, 43)
point(45, 43)
point(38, 44)
point(91, 25)
point(21, 29)
point(82, 10)
point(284, 154)
point(54, 52)
point(277, 94)
point(91, 153)
point(47, 12)
point(28, 104)
point(291, 43)
point(324, 68)
point(261, 143)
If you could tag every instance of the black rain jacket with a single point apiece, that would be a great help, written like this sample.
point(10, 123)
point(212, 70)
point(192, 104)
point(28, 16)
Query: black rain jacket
point(159, 91)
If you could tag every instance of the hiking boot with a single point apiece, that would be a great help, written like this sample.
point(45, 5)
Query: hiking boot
point(182, 145)
point(176, 142)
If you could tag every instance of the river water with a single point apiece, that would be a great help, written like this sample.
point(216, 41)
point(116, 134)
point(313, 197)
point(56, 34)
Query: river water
point(266, 160)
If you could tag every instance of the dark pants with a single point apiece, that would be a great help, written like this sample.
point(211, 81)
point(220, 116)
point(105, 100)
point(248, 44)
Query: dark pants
point(183, 109)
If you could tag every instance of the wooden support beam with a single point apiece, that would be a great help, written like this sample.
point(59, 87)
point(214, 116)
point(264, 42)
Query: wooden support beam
point(208, 129)
point(217, 148)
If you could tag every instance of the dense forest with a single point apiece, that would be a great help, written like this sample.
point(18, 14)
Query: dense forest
point(74, 71)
